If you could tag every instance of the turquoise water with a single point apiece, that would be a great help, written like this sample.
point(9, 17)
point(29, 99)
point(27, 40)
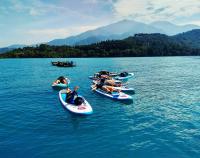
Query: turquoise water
point(162, 121)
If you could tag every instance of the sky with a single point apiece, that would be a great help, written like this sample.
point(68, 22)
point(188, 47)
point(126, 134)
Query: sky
point(36, 21)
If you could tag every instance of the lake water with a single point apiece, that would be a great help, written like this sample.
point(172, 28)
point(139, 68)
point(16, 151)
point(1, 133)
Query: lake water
point(162, 121)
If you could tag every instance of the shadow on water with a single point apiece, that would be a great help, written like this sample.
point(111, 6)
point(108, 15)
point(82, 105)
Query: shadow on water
point(126, 102)
point(74, 119)
point(130, 92)
point(56, 88)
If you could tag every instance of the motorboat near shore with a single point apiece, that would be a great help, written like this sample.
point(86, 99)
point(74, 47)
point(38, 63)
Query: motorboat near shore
point(63, 63)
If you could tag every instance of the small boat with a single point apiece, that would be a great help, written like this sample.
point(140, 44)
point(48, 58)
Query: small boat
point(83, 109)
point(114, 95)
point(61, 85)
point(63, 64)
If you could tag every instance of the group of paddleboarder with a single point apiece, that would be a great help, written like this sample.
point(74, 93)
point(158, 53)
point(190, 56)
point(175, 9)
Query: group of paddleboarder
point(103, 82)
point(106, 83)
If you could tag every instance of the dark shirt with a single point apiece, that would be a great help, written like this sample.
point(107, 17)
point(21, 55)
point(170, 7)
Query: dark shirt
point(99, 86)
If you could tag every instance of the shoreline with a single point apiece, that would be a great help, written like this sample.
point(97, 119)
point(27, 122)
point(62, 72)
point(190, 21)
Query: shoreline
point(102, 57)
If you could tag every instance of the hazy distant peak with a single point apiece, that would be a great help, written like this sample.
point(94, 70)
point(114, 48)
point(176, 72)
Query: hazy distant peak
point(118, 30)
point(173, 29)
point(164, 23)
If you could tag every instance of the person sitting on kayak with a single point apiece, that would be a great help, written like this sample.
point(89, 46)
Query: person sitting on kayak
point(108, 89)
point(73, 98)
point(61, 80)
point(71, 94)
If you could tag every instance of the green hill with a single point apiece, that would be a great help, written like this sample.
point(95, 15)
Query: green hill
point(137, 46)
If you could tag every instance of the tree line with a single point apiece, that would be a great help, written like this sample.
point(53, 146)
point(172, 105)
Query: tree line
point(140, 45)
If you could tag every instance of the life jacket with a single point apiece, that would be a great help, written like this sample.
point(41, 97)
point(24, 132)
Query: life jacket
point(70, 97)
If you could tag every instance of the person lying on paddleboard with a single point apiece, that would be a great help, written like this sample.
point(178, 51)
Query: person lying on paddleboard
point(105, 72)
point(110, 82)
point(61, 80)
point(108, 89)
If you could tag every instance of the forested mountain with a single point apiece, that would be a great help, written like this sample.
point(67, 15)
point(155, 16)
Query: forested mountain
point(138, 45)
point(9, 48)
point(116, 31)
point(190, 38)
point(121, 30)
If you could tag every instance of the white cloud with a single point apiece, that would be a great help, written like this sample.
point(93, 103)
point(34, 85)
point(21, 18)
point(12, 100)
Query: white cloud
point(146, 10)
point(91, 1)
point(33, 7)
point(60, 32)
point(195, 22)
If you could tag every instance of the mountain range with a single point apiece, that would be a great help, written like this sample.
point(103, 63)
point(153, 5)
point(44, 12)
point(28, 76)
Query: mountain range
point(11, 47)
point(121, 30)
point(115, 31)
point(139, 45)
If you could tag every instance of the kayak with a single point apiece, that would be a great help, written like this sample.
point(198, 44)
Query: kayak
point(83, 109)
point(114, 95)
point(130, 75)
point(122, 88)
point(61, 85)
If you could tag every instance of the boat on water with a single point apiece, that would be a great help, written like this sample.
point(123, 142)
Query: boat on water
point(63, 63)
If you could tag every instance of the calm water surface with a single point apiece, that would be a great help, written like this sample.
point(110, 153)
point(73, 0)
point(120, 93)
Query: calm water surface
point(162, 121)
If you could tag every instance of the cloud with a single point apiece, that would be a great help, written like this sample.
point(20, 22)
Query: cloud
point(32, 7)
point(146, 10)
point(60, 32)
